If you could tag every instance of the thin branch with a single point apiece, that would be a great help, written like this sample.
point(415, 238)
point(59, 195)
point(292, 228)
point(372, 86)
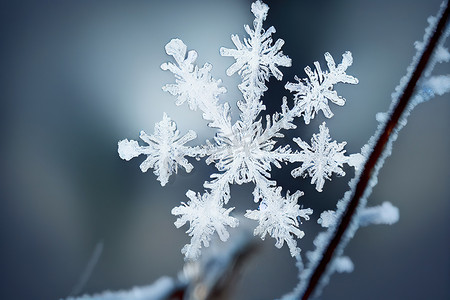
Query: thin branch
point(374, 157)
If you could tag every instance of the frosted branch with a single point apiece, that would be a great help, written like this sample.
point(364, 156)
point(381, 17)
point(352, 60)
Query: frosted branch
point(336, 237)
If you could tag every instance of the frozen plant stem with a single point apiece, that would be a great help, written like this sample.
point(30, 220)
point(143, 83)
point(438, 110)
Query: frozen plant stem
point(374, 157)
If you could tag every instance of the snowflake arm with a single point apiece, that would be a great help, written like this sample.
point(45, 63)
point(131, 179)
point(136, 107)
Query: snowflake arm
point(205, 215)
point(322, 158)
point(279, 217)
point(165, 150)
point(312, 94)
point(256, 60)
point(196, 86)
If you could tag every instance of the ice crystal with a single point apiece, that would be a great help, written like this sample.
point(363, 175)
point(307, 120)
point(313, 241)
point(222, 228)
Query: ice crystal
point(245, 151)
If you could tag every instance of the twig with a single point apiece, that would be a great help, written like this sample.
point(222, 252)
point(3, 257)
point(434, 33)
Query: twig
point(374, 157)
point(95, 257)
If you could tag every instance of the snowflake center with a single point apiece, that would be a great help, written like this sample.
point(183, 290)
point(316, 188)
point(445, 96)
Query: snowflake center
point(245, 148)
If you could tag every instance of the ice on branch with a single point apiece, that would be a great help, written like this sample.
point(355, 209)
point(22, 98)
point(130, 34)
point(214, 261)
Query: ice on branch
point(343, 264)
point(205, 216)
point(327, 218)
point(437, 85)
point(385, 213)
point(165, 150)
point(322, 158)
point(312, 94)
point(246, 151)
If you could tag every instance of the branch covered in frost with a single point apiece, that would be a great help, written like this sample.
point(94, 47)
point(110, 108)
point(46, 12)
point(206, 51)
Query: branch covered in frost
point(403, 101)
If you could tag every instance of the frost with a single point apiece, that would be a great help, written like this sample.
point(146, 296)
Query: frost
point(439, 84)
point(327, 218)
point(312, 94)
point(245, 151)
point(385, 213)
point(343, 264)
point(322, 158)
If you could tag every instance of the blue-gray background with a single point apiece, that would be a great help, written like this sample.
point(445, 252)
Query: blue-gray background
point(77, 76)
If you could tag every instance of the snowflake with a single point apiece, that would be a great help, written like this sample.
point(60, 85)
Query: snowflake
point(245, 151)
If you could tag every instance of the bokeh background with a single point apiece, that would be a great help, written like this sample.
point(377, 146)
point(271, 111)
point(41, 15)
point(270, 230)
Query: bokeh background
point(77, 76)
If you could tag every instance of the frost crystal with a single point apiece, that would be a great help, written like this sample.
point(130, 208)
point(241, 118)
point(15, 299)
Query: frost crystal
point(327, 218)
point(245, 151)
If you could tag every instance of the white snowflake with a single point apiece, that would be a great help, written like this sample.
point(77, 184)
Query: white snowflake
point(245, 151)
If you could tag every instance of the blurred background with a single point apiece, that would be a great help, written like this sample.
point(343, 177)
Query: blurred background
point(78, 76)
